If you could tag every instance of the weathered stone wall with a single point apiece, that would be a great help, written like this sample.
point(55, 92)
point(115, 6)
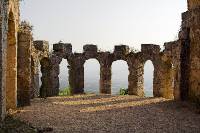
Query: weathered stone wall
point(191, 28)
point(194, 75)
point(171, 54)
point(8, 53)
point(162, 75)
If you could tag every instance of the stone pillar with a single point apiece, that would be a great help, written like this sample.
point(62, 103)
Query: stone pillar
point(3, 44)
point(76, 73)
point(53, 90)
point(105, 79)
point(76, 79)
point(24, 68)
point(163, 80)
point(157, 81)
point(46, 68)
point(35, 88)
point(135, 79)
point(172, 52)
point(40, 55)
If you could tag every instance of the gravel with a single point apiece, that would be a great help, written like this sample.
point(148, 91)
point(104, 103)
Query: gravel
point(113, 114)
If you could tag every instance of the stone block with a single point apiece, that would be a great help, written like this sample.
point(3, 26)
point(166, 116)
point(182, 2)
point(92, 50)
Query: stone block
point(90, 51)
point(63, 48)
point(121, 49)
point(90, 48)
point(41, 45)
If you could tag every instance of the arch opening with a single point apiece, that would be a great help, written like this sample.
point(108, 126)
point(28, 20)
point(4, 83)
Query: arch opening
point(148, 78)
point(64, 75)
point(119, 78)
point(91, 76)
point(11, 65)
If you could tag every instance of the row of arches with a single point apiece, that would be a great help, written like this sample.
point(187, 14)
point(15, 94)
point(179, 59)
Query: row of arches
point(119, 80)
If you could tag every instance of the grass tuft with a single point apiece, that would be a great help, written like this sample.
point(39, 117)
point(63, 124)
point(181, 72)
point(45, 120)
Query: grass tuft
point(65, 92)
point(123, 91)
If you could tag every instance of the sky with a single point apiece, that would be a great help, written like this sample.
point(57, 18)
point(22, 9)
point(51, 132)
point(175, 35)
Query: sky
point(104, 22)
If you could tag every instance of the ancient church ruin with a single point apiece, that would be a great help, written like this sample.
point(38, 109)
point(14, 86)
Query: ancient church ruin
point(176, 73)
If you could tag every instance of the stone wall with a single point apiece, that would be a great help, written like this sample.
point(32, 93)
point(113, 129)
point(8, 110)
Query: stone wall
point(8, 53)
point(135, 60)
point(191, 28)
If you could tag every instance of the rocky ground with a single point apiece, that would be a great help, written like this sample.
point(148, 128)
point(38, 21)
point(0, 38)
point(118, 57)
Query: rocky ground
point(114, 114)
point(12, 125)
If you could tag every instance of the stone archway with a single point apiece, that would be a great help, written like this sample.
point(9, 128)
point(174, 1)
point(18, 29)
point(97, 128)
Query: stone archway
point(11, 69)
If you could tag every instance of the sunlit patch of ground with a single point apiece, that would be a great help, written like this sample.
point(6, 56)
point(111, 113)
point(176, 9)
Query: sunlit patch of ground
point(105, 113)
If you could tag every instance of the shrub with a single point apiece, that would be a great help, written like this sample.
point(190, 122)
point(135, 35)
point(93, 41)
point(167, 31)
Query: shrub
point(65, 92)
point(123, 91)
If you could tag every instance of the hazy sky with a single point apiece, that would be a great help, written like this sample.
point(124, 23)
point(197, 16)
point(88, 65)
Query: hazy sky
point(104, 22)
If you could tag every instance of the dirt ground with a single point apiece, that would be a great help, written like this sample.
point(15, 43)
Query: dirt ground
point(113, 114)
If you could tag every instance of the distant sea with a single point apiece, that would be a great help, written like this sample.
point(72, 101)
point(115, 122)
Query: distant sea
point(119, 76)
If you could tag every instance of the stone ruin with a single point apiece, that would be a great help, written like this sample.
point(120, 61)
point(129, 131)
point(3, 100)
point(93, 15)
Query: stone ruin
point(176, 68)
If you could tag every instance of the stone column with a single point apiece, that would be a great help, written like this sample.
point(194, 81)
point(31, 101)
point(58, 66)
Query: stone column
point(24, 68)
point(105, 79)
point(158, 80)
point(46, 68)
point(76, 73)
point(35, 85)
point(135, 79)
point(3, 44)
point(35, 66)
point(76, 79)
point(53, 90)
point(163, 80)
